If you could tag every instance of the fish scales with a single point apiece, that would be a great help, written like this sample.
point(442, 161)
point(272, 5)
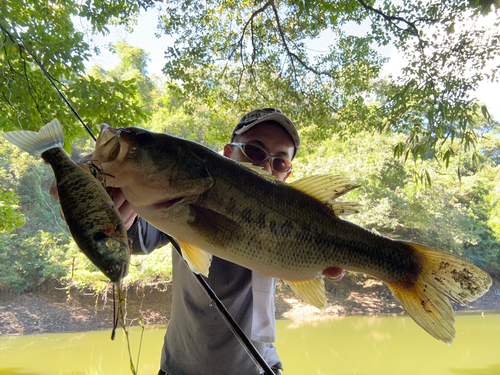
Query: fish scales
point(87, 210)
point(215, 206)
point(283, 227)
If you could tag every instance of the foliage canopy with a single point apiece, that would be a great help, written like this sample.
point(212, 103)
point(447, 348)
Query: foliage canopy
point(255, 54)
point(234, 56)
point(45, 31)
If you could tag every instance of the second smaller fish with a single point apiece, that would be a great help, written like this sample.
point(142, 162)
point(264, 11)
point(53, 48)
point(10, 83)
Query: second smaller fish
point(95, 225)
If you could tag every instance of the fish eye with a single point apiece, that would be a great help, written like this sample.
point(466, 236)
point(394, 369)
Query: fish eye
point(115, 151)
point(115, 267)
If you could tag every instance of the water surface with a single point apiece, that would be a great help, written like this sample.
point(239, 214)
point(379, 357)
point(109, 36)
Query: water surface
point(343, 345)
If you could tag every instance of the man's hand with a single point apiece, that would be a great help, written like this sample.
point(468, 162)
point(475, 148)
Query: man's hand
point(334, 273)
point(123, 206)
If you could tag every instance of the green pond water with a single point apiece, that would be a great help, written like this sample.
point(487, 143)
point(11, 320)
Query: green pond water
point(343, 345)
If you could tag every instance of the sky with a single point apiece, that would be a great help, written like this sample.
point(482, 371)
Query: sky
point(144, 37)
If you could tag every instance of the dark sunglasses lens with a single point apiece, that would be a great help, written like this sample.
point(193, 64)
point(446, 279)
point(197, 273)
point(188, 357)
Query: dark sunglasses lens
point(255, 154)
point(281, 165)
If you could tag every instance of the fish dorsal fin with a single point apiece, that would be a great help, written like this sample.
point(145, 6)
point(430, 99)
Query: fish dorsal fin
point(327, 188)
point(49, 136)
point(258, 170)
point(344, 208)
point(198, 260)
point(312, 291)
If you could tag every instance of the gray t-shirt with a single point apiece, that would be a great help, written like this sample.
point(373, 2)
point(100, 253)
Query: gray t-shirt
point(198, 340)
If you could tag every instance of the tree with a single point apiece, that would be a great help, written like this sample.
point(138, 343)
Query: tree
point(45, 31)
point(35, 244)
point(132, 67)
point(238, 55)
point(233, 56)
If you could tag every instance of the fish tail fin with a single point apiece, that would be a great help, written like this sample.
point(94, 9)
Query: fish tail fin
point(444, 277)
point(49, 136)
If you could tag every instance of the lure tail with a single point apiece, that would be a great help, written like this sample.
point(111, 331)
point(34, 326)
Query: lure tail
point(444, 277)
point(49, 136)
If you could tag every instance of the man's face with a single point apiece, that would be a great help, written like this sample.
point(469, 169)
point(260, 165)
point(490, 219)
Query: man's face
point(272, 138)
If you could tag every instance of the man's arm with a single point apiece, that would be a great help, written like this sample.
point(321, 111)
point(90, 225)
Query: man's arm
point(145, 238)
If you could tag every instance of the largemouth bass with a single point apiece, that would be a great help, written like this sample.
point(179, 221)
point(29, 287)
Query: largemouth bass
point(95, 225)
point(215, 206)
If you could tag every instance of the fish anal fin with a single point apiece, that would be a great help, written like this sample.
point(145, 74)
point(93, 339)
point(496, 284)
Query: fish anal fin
point(444, 277)
point(327, 188)
point(198, 260)
point(312, 291)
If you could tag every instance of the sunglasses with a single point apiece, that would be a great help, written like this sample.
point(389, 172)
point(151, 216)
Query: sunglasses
point(258, 155)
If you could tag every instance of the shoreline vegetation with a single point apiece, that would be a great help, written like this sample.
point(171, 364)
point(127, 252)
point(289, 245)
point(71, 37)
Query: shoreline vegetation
point(53, 308)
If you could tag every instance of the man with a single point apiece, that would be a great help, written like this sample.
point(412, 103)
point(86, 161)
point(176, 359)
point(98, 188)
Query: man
point(198, 340)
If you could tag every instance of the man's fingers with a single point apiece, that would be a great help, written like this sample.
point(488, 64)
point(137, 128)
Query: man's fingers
point(118, 197)
point(128, 214)
point(123, 206)
point(334, 273)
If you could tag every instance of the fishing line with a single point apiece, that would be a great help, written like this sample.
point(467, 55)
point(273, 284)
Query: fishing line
point(233, 325)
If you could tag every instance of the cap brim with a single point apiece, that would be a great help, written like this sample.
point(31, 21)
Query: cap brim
point(280, 119)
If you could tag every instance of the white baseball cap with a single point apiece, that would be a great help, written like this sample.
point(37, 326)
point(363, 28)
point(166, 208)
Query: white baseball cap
point(267, 114)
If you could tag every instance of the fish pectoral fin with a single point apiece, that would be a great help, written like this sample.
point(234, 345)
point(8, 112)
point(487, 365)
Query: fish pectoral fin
point(444, 277)
point(198, 260)
point(213, 226)
point(312, 291)
point(327, 188)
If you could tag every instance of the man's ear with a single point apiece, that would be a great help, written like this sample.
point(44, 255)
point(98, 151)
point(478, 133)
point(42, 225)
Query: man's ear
point(228, 150)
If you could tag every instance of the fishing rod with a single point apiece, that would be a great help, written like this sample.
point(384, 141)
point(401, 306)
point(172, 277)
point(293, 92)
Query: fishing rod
point(215, 301)
point(18, 40)
point(233, 325)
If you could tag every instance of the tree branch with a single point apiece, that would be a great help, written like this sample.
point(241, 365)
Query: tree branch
point(290, 53)
point(30, 86)
point(391, 19)
point(249, 21)
point(413, 30)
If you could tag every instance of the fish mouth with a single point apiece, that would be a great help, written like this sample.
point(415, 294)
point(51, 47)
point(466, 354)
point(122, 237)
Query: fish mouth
point(111, 145)
point(116, 144)
point(117, 271)
point(167, 203)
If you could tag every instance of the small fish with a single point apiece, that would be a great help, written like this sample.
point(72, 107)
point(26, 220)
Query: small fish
point(95, 225)
point(213, 205)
